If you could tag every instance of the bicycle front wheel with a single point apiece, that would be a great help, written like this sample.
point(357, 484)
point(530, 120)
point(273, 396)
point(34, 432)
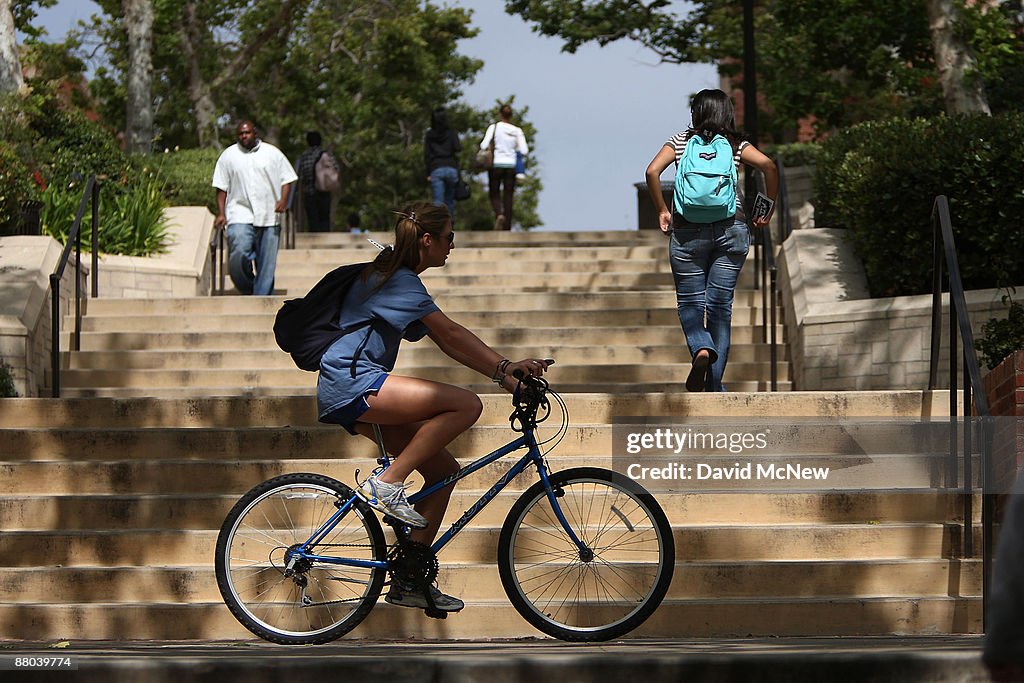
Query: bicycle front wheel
point(311, 602)
point(599, 592)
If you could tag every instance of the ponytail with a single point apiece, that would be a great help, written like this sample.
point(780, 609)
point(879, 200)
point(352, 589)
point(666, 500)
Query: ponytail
point(413, 221)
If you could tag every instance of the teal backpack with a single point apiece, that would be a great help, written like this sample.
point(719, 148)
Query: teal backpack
point(705, 189)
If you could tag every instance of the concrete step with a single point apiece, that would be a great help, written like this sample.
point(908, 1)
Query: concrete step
point(232, 471)
point(260, 392)
point(515, 282)
point(478, 582)
point(673, 619)
point(846, 474)
point(452, 302)
point(527, 271)
point(584, 408)
point(560, 254)
point(670, 374)
point(862, 443)
point(487, 262)
point(730, 539)
point(215, 323)
point(666, 335)
point(415, 355)
point(488, 239)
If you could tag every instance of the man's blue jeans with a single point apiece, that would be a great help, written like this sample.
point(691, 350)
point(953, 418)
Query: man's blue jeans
point(250, 246)
point(442, 183)
point(706, 260)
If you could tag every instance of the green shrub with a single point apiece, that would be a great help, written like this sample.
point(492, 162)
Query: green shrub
point(186, 175)
point(73, 144)
point(16, 187)
point(7, 389)
point(880, 179)
point(1000, 337)
point(132, 221)
point(795, 153)
point(19, 181)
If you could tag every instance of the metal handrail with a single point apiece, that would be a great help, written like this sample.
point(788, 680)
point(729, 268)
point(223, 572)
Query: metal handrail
point(944, 252)
point(217, 258)
point(91, 193)
point(786, 222)
point(767, 274)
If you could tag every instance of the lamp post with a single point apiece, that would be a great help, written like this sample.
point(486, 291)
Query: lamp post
point(749, 93)
point(749, 73)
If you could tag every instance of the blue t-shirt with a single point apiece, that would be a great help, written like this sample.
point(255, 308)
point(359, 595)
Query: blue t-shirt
point(352, 364)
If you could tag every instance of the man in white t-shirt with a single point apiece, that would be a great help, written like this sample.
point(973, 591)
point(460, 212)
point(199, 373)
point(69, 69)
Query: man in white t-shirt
point(508, 139)
point(253, 180)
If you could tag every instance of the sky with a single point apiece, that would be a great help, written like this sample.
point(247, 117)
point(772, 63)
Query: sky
point(601, 114)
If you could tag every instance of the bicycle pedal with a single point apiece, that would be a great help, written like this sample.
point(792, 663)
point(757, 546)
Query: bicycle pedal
point(435, 613)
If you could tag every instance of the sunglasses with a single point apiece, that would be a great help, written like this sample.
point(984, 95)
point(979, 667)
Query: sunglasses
point(451, 235)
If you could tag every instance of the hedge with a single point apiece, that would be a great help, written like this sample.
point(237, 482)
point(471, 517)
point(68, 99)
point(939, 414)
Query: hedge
point(186, 175)
point(880, 179)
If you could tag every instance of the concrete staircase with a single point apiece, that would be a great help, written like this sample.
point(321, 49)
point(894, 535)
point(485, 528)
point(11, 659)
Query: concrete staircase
point(110, 500)
point(111, 508)
point(602, 304)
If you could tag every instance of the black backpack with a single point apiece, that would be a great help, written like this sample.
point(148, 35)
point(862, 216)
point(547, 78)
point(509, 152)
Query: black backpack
point(307, 327)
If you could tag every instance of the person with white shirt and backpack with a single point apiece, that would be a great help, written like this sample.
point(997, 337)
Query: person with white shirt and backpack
point(707, 227)
point(505, 139)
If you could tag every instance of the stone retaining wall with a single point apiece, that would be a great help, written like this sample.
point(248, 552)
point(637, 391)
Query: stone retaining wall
point(183, 270)
point(25, 317)
point(842, 340)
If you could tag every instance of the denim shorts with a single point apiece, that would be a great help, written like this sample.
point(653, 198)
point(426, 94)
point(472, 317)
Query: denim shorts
point(349, 414)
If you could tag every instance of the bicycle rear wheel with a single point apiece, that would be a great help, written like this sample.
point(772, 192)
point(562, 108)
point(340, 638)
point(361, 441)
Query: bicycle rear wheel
point(597, 594)
point(316, 602)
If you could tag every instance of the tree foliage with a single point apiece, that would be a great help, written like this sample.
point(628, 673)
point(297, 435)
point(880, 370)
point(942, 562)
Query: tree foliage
point(879, 180)
point(365, 73)
point(840, 61)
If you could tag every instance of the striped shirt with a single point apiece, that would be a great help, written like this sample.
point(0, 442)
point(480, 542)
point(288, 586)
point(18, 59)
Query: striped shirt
point(678, 144)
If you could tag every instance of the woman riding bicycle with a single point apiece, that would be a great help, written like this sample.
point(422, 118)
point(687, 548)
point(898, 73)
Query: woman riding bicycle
point(418, 417)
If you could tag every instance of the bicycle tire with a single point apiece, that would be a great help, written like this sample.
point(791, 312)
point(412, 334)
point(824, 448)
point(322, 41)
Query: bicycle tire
point(250, 561)
point(566, 596)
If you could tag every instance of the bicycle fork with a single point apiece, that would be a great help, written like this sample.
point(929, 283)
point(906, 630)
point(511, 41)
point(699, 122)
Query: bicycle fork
point(553, 494)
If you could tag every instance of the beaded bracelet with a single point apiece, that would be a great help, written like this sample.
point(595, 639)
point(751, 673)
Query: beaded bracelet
point(499, 371)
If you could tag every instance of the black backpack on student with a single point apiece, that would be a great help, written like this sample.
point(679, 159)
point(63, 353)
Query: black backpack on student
point(306, 327)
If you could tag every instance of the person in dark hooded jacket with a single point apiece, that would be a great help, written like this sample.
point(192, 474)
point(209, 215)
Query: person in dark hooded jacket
point(441, 149)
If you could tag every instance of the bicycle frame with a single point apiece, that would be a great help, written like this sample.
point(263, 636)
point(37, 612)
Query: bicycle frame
point(533, 456)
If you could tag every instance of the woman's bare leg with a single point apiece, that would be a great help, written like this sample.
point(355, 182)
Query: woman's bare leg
point(419, 418)
point(443, 464)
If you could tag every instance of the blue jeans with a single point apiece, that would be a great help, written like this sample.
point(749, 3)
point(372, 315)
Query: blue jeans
point(442, 182)
point(249, 246)
point(706, 260)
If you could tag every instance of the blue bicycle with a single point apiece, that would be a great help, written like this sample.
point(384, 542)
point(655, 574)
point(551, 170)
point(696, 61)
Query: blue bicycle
point(585, 554)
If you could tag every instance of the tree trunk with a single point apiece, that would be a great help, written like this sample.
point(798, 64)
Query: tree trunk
point(953, 59)
point(138, 19)
point(11, 80)
point(198, 89)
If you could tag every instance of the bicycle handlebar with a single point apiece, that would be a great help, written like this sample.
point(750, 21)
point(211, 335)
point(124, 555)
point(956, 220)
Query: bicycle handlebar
point(528, 398)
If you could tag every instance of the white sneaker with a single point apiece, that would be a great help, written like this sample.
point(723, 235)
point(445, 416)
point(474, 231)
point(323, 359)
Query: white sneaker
point(390, 499)
point(410, 597)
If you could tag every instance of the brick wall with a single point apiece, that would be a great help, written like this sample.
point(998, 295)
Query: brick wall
point(1004, 387)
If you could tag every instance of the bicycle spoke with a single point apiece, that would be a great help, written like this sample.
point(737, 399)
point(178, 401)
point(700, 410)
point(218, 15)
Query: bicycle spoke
point(606, 587)
point(284, 516)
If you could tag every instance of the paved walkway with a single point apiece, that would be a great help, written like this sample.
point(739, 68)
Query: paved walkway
point(917, 659)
